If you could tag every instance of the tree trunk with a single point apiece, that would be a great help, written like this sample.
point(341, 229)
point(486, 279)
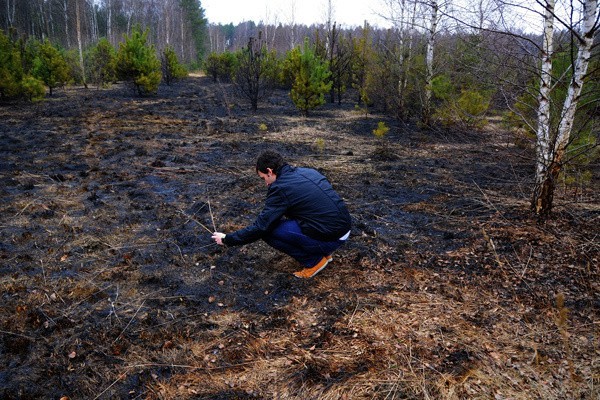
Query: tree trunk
point(79, 44)
point(109, 21)
point(66, 12)
point(94, 24)
point(544, 183)
point(429, 62)
point(10, 13)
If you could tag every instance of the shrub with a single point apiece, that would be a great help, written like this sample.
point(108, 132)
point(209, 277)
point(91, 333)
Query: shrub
point(102, 63)
point(467, 110)
point(256, 71)
point(75, 71)
point(381, 130)
point(33, 89)
point(310, 78)
point(171, 68)
point(11, 71)
point(220, 66)
point(137, 62)
point(50, 66)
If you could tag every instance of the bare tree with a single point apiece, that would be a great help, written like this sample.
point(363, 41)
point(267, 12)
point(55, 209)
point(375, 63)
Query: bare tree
point(292, 24)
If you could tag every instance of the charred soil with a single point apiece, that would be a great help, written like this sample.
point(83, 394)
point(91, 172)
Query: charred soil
point(447, 288)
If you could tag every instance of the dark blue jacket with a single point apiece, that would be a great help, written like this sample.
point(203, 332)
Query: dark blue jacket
point(304, 195)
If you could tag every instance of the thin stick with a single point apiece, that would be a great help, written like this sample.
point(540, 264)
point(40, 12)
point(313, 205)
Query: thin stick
point(18, 334)
point(129, 323)
point(198, 222)
point(211, 216)
point(121, 376)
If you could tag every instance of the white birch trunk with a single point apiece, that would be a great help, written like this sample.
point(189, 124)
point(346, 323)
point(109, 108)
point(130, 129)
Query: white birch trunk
point(79, 43)
point(94, 24)
point(401, 31)
point(10, 12)
point(543, 128)
point(109, 21)
point(44, 25)
point(66, 11)
point(429, 60)
point(590, 10)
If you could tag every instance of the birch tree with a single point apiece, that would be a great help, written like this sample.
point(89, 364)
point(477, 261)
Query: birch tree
point(551, 151)
point(79, 41)
point(412, 17)
point(543, 127)
point(432, 31)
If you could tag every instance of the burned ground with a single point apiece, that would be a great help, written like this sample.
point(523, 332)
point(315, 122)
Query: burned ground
point(448, 288)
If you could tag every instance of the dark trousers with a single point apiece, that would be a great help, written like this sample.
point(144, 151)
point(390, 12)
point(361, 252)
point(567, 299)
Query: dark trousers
point(288, 238)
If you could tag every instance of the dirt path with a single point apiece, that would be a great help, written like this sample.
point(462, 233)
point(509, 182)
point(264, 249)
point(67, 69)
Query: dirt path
point(111, 287)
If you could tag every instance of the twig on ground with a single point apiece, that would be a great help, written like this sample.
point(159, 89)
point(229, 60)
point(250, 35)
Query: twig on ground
point(129, 323)
point(18, 334)
point(489, 201)
point(196, 221)
point(211, 216)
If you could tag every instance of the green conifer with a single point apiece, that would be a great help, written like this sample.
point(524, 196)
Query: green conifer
point(171, 68)
point(137, 62)
point(102, 63)
point(50, 66)
point(310, 78)
point(11, 71)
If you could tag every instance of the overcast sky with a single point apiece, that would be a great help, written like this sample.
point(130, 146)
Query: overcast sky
point(346, 12)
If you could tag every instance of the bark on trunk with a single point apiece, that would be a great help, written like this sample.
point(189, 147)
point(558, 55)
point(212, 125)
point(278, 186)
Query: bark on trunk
point(429, 62)
point(544, 184)
point(79, 43)
point(66, 11)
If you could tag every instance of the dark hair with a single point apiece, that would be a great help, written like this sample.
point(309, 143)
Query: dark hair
point(269, 159)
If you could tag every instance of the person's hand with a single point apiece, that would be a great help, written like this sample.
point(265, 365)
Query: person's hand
point(218, 237)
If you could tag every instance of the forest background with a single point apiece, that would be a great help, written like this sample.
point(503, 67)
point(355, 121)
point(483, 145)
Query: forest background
point(443, 64)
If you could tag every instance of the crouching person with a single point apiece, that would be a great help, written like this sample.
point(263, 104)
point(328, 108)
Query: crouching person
point(303, 216)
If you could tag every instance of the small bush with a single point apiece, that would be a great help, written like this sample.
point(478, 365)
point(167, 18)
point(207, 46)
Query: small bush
point(50, 66)
point(171, 68)
point(381, 130)
point(468, 110)
point(220, 66)
point(33, 89)
point(310, 76)
point(137, 62)
point(102, 63)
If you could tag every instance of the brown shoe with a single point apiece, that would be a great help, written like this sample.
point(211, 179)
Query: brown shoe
point(310, 272)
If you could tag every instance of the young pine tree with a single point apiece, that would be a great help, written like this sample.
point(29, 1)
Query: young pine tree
point(171, 68)
point(11, 71)
point(102, 63)
point(310, 78)
point(137, 62)
point(50, 66)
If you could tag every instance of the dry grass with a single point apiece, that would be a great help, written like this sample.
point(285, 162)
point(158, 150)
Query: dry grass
point(112, 290)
